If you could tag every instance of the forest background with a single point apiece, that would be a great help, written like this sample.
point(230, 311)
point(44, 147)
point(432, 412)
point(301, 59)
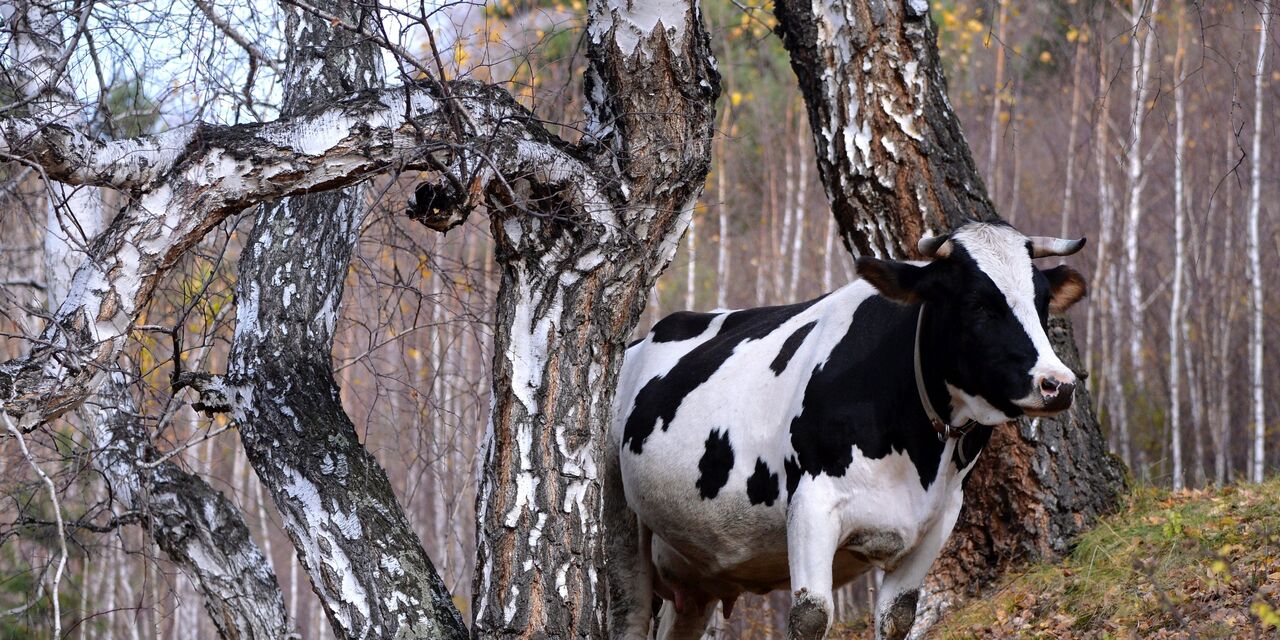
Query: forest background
point(1132, 125)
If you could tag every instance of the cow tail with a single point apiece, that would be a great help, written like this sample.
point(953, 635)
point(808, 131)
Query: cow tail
point(628, 567)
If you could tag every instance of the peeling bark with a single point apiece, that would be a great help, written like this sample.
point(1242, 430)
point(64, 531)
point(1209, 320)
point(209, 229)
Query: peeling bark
point(577, 267)
point(582, 232)
point(890, 151)
point(185, 182)
point(199, 530)
point(366, 564)
point(196, 526)
point(895, 165)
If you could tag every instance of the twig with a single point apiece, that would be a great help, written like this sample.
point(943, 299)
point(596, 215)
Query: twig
point(165, 458)
point(57, 514)
point(253, 50)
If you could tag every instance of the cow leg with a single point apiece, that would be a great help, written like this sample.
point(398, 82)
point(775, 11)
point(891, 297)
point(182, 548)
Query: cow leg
point(689, 624)
point(813, 533)
point(900, 589)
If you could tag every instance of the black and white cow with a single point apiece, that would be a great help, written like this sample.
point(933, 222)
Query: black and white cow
point(798, 446)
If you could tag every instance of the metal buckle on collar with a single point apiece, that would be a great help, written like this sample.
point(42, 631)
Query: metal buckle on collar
point(948, 431)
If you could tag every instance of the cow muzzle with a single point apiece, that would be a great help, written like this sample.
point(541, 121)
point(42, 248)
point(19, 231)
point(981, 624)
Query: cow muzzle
point(1052, 394)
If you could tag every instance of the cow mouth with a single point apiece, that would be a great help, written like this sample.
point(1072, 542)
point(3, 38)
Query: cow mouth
point(1040, 407)
point(1044, 413)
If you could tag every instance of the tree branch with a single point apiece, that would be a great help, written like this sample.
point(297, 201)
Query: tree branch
point(185, 182)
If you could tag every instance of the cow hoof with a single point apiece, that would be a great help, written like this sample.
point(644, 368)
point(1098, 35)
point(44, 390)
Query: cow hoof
point(896, 622)
point(808, 619)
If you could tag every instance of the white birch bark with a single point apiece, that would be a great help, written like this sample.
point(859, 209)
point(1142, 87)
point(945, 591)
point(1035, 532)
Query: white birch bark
point(1176, 322)
point(722, 211)
point(197, 527)
point(1224, 332)
point(1073, 124)
point(1257, 382)
point(997, 97)
point(797, 240)
point(691, 275)
point(788, 217)
point(1141, 49)
point(1104, 310)
point(828, 247)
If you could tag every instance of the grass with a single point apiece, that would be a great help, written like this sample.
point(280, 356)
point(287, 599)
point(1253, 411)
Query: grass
point(1194, 564)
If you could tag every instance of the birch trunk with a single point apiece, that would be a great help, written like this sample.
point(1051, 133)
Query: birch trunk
point(788, 215)
point(1068, 189)
point(575, 278)
point(997, 96)
point(333, 497)
point(1175, 305)
point(625, 193)
point(199, 530)
point(1141, 49)
point(797, 239)
point(722, 209)
point(1106, 300)
point(895, 163)
point(1257, 386)
point(691, 276)
point(1226, 318)
point(828, 250)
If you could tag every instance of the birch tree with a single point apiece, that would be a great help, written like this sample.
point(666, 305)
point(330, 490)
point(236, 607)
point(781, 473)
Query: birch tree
point(582, 230)
point(196, 526)
point(1257, 382)
point(896, 165)
point(1176, 321)
point(334, 498)
point(1141, 45)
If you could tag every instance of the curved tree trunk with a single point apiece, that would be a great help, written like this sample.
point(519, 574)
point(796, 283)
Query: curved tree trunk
point(352, 537)
point(895, 165)
point(575, 278)
point(196, 526)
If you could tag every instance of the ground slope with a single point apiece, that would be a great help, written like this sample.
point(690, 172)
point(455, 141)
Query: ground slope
point(1198, 564)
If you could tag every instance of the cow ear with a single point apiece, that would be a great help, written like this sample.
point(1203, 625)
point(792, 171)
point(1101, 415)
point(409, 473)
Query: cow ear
point(1066, 287)
point(896, 281)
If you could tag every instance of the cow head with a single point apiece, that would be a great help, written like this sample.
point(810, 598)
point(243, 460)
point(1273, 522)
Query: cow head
point(988, 307)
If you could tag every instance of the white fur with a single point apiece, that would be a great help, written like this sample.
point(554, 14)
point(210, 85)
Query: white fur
point(1001, 253)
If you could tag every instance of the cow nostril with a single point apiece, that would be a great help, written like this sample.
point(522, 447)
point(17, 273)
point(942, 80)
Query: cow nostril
point(1049, 386)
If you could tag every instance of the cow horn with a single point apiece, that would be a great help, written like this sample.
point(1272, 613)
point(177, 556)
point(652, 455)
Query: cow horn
point(935, 246)
point(1044, 246)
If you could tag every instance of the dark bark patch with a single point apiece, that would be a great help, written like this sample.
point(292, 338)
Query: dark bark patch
point(715, 465)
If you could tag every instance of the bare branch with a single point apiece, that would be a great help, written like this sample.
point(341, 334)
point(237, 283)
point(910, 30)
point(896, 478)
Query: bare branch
point(254, 51)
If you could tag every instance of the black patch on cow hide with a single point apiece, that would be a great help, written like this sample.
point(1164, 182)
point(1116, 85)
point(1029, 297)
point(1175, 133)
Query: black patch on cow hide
point(793, 475)
point(789, 348)
point(864, 396)
point(714, 467)
point(681, 325)
point(659, 399)
point(762, 486)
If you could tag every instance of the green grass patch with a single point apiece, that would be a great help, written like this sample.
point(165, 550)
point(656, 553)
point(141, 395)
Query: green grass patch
point(1202, 564)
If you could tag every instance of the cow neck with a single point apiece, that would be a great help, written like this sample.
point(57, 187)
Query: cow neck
point(943, 427)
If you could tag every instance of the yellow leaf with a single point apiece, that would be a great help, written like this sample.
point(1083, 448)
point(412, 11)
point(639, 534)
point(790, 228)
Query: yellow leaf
point(1045, 57)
